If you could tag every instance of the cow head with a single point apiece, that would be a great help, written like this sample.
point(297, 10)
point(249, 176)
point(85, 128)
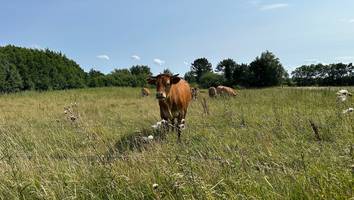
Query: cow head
point(163, 84)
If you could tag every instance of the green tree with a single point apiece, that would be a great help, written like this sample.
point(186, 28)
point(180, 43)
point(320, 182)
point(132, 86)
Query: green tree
point(266, 70)
point(326, 75)
point(305, 75)
point(199, 67)
point(189, 77)
point(13, 79)
point(3, 72)
point(140, 73)
point(227, 67)
point(241, 75)
point(10, 79)
point(120, 77)
point(44, 69)
point(140, 70)
point(210, 79)
point(96, 79)
point(167, 71)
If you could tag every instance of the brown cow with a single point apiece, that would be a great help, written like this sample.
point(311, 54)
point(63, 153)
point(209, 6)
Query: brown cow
point(212, 92)
point(223, 90)
point(145, 92)
point(194, 92)
point(174, 95)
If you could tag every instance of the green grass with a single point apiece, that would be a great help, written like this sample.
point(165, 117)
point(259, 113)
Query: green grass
point(259, 145)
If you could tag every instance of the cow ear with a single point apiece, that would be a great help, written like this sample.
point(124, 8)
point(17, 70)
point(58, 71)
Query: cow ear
point(151, 80)
point(175, 79)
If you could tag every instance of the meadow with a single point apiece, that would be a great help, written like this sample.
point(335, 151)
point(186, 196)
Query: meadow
point(276, 143)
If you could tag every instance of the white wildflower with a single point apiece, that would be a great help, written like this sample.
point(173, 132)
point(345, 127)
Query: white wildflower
point(349, 110)
point(72, 117)
point(155, 185)
point(181, 126)
point(159, 124)
point(344, 92)
point(342, 98)
point(342, 95)
point(150, 137)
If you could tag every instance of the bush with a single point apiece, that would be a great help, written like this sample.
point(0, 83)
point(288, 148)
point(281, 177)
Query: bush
point(211, 79)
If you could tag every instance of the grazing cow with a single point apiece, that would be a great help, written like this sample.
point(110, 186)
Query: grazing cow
point(223, 90)
point(212, 92)
point(145, 92)
point(174, 95)
point(194, 92)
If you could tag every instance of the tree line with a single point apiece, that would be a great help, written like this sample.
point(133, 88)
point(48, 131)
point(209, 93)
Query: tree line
point(324, 75)
point(34, 69)
point(266, 70)
point(31, 69)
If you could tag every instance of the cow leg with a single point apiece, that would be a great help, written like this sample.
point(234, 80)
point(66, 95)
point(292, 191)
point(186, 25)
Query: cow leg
point(180, 124)
point(164, 114)
point(173, 123)
point(164, 125)
point(180, 127)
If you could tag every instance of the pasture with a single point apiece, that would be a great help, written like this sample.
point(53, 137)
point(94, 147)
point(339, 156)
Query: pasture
point(276, 143)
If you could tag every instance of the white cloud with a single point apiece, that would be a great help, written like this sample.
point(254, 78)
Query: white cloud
point(36, 46)
point(135, 57)
point(346, 20)
point(159, 61)
point(255, 2)
point(345, 59)
point(186, 63)
point(273, 6)
point(103, 57)
point(313, 61)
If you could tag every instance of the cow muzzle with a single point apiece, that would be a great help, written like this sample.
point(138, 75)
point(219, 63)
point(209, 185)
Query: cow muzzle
point(160, 95)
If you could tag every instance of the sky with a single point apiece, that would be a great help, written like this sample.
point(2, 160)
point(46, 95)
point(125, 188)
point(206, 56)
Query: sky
point(109, 34)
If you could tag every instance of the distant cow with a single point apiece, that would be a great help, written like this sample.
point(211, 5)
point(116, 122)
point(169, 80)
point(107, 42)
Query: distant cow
point(174, 95)
point(145, 92)
point(223, 90)
point(212, 92)
point(194, 92)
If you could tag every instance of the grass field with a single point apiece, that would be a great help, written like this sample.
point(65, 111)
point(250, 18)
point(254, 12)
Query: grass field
point(259, 145)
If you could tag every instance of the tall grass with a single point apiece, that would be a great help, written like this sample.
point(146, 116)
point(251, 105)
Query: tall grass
point(258, 145)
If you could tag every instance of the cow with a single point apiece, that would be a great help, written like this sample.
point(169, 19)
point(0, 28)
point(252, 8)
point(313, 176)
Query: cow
point(194, 92)
point(212, 92)
point(174, 96)
point(145, 92)
point(223, 90)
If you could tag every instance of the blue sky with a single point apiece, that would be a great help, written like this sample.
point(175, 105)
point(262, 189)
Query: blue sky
point(110, 34)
